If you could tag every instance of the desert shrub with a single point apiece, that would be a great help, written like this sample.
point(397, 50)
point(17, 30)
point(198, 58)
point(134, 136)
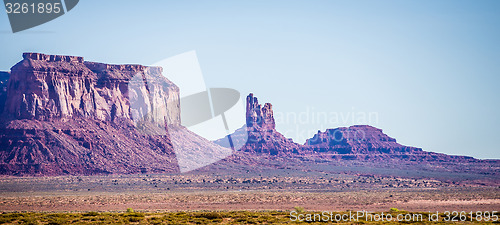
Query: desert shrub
point(130, 210)
point(135, 219)
point(155, 220)
point(210, 215)
point(57, 221)
point(298, 209)
point(217, 221)
point(58, 218)
point(29, 220)
point(275, 213)
point(133, 216)
point(6, 220)
point(240, 219)
point(394, 210)
point(11, 215)
point(90, 214)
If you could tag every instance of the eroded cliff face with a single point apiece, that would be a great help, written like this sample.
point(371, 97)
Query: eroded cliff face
point(258, 116)
point(4, 79)
point(260, 130)
point(62, 115)
point(356, 142)
point(47, 87)
point(358, 139)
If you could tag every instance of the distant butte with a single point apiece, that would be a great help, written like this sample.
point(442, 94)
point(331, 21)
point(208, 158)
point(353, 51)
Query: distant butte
point(354, 142)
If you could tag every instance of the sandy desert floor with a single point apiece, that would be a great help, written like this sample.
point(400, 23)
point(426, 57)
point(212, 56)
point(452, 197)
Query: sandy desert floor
point(236, 192)
point(240, 198)
point(383, 200)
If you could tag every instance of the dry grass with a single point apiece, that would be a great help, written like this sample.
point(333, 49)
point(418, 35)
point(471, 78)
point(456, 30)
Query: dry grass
point(197, 217)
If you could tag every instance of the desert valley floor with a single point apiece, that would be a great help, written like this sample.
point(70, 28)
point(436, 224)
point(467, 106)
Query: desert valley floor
point(243, 191)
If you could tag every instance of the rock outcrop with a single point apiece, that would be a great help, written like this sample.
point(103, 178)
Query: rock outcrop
point(356, 150)
point(370, 143)
point(4, 79)
point(260, 130)
point(258, 116)
point(358, 139)
point(63, 115)
point(264, 138)
point(45, 87)
point(360, 142)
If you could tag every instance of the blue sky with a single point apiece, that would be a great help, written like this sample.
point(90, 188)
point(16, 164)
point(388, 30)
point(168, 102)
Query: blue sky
point(428, 69)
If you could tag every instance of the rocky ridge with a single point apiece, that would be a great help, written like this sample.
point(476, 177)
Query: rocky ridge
point(260, 132)
point(359, 150)
point(64, 115)
point(264, 138)
point(357, 139)
point(358, 142)
point(45, 87)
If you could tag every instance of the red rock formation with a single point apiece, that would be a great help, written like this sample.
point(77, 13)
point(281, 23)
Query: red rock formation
point(361, 142)
point(369, 143)
point(262, 136)
point(63, 115)
point(259, 116)
point(359, 139)
point(45, 87)
point(4, 79)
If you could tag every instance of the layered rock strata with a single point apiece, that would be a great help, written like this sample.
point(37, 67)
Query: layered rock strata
point(64, 115)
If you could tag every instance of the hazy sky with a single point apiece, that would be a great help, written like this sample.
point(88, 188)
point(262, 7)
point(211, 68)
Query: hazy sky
point(426, 71)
